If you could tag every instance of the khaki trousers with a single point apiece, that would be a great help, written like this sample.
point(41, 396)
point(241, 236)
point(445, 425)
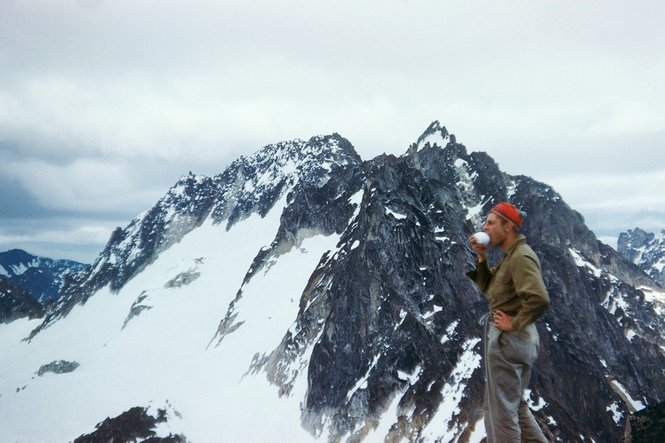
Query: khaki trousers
point(509, 357)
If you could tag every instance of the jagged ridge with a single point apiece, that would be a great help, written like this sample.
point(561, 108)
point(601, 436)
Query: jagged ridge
point(249, 185)
point(646, 250)
point(395, 291)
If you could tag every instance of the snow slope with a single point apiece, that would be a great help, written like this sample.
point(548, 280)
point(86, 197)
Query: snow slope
point(164, 355)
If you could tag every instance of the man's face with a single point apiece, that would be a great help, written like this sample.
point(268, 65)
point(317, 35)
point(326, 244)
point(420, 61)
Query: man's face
point(496, 228)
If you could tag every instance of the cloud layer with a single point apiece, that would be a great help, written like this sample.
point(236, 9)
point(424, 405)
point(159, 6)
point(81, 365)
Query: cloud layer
point(105, 104)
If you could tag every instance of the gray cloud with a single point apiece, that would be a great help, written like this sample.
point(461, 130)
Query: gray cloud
point(76, 238)
point(53, 232)
point(15, 201)
point(104, 104)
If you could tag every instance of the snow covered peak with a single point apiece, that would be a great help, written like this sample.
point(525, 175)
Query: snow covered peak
point(16, 262)
point(254, 183)
point(435, 134)
point(646, 250)
point(40, 276)
point(297, 159)
point(250, 185)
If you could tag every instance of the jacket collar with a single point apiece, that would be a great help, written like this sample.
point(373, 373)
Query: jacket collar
point(519, 240)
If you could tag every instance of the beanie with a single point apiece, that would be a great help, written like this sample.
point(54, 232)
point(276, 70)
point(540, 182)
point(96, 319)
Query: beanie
point(509, 213)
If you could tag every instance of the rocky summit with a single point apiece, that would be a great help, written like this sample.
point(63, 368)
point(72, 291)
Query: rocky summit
point(325, 298)
point(646, 250)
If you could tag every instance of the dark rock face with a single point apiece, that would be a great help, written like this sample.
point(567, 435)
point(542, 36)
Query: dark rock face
point(647, 425)
point(391, 315)
point(40, 276)
point(646, 250)
point(133, 424)
point(390, 298)
point(137, 308)
point(58, 367)
point(312, 209)
point(16, 303)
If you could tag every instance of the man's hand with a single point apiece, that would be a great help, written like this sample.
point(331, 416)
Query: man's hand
point(502, 321)
point(480, 250)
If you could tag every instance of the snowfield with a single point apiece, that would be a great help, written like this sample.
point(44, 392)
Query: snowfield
point(165, 356)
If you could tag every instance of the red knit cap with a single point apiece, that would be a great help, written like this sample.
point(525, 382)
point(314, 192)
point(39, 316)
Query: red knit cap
point(509, 213)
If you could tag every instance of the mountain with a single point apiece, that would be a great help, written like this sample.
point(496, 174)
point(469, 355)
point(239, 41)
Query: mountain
point(307, 295)
point(40, 276)
point(16, 303)
point(249, 185)
point(646, 250)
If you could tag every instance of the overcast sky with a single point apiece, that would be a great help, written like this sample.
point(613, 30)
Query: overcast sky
point(104, 104)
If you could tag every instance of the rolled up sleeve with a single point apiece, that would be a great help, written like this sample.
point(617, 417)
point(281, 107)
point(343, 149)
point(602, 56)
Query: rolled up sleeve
point(530, 287)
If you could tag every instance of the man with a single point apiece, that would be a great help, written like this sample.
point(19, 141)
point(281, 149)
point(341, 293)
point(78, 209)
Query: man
point(517, 297)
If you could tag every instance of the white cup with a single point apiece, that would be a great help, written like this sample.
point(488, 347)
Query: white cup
point(481, 238)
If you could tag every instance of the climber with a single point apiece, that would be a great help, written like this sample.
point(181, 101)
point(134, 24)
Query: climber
point(517, 297)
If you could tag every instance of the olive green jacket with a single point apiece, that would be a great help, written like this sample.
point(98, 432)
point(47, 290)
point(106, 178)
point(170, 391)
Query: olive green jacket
point(515, 286)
